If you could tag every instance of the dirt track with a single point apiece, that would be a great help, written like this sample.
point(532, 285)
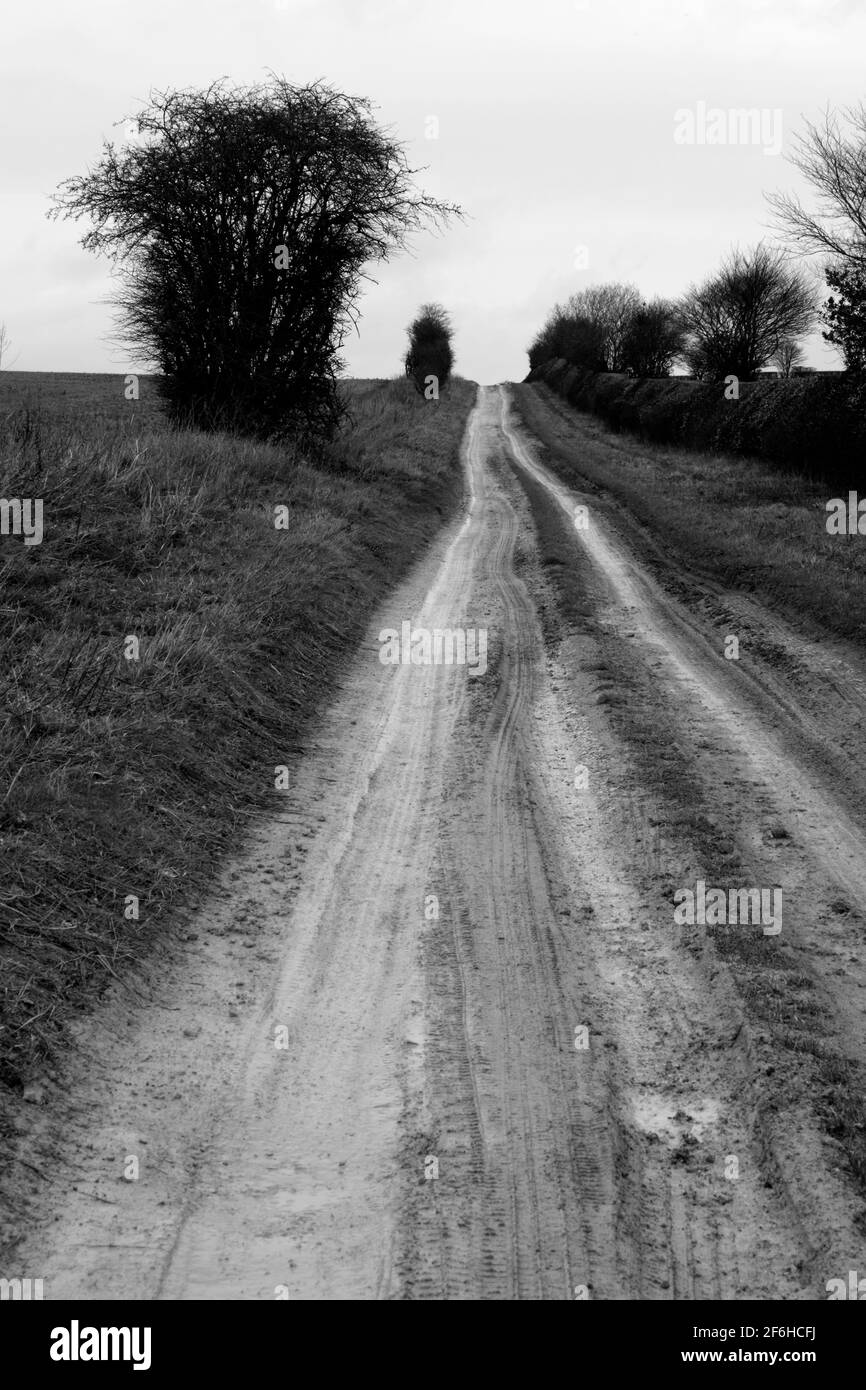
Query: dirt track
point(320, 1037)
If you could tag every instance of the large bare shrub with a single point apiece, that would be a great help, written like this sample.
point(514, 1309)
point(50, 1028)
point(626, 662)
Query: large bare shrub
point(241, 221)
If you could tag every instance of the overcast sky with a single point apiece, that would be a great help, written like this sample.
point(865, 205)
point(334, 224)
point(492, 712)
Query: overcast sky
point(556, 132)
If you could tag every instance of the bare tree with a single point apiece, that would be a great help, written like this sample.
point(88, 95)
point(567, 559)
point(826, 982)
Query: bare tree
point(831, 156)
point(570, 336)
point(244, 222)
point(654, 339)
point(695, 358)
point(589, 330)
point(788, 357)
point(738, 319)
point(609, 309)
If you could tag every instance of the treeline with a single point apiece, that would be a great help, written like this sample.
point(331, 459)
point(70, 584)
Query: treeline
point(755, 310)
point(747, 316)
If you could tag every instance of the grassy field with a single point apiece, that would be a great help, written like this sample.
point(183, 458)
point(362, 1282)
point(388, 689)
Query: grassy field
point(124, 777)
point(91, 396)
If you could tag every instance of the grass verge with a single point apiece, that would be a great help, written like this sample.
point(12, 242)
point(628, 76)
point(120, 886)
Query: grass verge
point(733, 521)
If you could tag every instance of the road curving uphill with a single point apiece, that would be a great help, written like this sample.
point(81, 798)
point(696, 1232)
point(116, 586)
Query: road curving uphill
point(438, 1034)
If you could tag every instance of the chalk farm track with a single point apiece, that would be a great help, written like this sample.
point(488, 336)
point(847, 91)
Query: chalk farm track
point(437, 1034)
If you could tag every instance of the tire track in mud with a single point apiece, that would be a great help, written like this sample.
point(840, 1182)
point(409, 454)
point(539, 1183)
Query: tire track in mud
point(495, 899)
point(587, 1160)
point(505, 892)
